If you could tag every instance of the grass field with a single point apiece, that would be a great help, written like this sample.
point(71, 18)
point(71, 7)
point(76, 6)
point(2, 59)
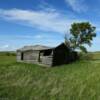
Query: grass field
point(76, 81)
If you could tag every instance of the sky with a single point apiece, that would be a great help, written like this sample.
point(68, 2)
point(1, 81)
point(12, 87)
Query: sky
point(44, 22)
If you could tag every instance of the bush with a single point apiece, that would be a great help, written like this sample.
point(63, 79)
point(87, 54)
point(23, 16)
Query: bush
point(85, 56)
point(10, 54)
point(7, 54)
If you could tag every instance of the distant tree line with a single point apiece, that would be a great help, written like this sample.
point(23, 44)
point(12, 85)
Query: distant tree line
point(8, 53)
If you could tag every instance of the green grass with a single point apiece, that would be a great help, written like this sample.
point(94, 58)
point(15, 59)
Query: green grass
point(76, 81)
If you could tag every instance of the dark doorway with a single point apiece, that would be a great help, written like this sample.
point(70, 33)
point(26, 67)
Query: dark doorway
point(22, 56)
point(39, 60)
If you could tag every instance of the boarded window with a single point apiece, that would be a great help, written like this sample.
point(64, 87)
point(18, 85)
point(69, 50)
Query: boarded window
point(47, 52)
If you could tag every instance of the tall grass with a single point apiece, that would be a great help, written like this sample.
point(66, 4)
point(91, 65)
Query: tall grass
point(76, 81)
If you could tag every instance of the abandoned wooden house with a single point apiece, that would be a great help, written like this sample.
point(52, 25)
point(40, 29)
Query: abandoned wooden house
point(45, 55)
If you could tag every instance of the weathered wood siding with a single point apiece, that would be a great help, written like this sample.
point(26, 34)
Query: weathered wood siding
point(46, 60)
point(31, 56)
point(18, 56)
point(28, 56)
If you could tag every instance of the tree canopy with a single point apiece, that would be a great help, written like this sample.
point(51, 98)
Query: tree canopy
point(80, 35)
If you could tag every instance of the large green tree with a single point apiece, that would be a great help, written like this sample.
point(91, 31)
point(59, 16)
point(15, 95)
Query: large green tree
point(80, 35)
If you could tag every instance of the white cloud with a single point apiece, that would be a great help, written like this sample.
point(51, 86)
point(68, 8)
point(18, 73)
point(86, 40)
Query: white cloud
point(49, 20)
point(36, 37)
point(27, 36)
point(77, 5)
point(5, 47)
point(39, 36)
